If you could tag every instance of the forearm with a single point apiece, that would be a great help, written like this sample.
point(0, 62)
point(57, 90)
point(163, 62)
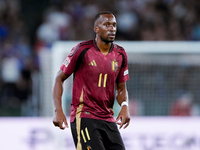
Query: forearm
point(57, 95)
point(59, 117)
point(122, 96)
point(58, 90)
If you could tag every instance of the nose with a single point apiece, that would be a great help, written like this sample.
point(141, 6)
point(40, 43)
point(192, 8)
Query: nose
point(112, 28)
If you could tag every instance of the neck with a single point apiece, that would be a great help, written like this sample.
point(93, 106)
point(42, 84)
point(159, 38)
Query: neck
point(103, 46)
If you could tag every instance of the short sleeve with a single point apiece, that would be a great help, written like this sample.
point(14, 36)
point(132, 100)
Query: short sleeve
point(69, 64)
point(123, 75)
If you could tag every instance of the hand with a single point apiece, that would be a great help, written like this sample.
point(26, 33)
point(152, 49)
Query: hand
point(60, 120)
point(123, 117)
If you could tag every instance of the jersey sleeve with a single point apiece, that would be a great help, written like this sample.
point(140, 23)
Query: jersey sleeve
point(69, 64)
point(123, 75)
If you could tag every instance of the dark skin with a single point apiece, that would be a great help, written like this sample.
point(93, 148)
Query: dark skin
point(59, 119)
point(105, 29)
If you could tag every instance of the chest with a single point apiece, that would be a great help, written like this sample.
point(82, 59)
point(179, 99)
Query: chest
point(95, 62)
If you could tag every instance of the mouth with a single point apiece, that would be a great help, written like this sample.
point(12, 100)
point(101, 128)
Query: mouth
point(111, 35)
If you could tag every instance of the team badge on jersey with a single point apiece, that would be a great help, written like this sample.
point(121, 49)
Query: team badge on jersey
point(66, 62)
point(114, 65)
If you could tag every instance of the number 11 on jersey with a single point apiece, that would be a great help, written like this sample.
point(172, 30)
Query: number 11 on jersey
point(104, 80)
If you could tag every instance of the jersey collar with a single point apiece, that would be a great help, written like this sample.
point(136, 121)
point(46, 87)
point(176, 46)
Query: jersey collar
point(95, 45)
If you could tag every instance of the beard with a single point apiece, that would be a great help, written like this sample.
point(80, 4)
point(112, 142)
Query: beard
point(106, 40)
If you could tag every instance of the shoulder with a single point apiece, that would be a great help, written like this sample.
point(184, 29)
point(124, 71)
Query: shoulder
point(121, 51)
point(118, 48)
point(86, 43)
point(81, 46)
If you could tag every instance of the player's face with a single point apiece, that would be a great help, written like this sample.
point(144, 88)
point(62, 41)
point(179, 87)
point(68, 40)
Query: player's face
point(107, 28)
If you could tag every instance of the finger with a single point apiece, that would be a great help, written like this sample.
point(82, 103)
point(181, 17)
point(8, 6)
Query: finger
point(66, 124)
point(122, 123)
point(118, 123)
point(126, 125)
point(117, 119)
point(61, 126)
point(121, 126)
point(55, 124)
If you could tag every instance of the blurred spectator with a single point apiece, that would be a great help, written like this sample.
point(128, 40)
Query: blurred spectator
point(182, 106)
point(55, 27)
point(136, 107)
point(196, 32)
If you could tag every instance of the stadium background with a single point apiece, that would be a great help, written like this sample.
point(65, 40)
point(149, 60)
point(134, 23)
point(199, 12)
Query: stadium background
point(28, 27)
point(161, 83)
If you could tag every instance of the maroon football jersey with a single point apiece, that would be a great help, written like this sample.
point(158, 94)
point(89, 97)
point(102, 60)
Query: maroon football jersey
point(95, 75)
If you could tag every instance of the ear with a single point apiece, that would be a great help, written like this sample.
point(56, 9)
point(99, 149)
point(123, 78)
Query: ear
point(96, 29)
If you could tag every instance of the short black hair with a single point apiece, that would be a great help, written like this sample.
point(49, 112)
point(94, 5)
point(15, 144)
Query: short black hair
point(101, 13)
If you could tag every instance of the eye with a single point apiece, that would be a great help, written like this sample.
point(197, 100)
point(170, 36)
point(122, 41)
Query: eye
point(106, 24)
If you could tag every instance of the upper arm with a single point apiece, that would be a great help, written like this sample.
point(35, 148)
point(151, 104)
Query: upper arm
point(61, 76)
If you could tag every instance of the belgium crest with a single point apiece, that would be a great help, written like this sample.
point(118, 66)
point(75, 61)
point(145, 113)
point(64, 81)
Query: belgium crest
point(114, 65)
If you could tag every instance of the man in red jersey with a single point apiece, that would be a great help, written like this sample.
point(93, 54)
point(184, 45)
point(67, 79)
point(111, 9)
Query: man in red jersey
point(98, 66)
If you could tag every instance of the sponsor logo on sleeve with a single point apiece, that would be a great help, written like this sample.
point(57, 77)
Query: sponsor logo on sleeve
point(125, 72)
point(66, 62)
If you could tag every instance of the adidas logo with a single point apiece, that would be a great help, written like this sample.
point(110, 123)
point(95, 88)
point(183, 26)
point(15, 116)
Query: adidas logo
point(92, 63)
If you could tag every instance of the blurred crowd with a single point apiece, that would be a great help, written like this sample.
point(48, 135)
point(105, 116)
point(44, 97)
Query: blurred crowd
point(16, 59)
point(138, 20)
point(151, 20)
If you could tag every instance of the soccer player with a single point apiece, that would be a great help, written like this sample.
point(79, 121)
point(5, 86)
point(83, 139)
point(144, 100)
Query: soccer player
point(99, 67)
